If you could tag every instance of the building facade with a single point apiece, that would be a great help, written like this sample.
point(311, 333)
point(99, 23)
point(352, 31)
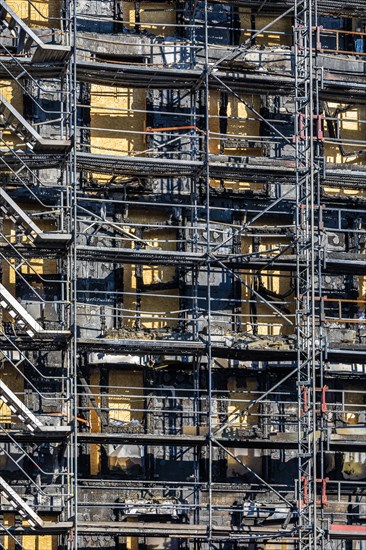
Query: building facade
point(183, 328)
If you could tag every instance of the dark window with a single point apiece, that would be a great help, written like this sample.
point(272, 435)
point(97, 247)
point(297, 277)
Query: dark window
point(329, 40)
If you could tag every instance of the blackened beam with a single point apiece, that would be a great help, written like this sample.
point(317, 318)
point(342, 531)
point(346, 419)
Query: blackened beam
point(240, 350)
point(332, 7)
point(174, 530)
point(276, 441)
point(335, 86)
point(339, 263)
point(245, 351)
point(188, 531)
point(253, 169)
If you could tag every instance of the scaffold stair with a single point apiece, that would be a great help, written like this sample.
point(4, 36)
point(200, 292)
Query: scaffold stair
point(19, 505)
point(13, 121)
point(18, 408)
point(28, 39)
point(33, 232)
point(21, 315)
point(25, 415)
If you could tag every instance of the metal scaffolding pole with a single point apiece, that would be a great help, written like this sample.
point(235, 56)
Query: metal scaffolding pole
point(311, 533)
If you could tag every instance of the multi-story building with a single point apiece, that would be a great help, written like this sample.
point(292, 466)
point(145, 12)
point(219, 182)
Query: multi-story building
point(183, 328)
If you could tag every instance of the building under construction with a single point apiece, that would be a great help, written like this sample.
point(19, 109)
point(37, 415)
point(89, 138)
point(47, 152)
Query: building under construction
point(183, 275)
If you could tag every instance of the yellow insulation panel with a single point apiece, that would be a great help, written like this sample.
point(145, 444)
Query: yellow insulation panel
point(158, 18)
point(39, 13)
point(125, 403)
point(242, 126)
point(95, 423)
point(242, 122)
point(245, 23)
point(351, 129)
point(236, 185)
point(214, 122)
point(39, 266)
point(33, 266)
point(250, 457)
point(44, 542)
point(9, 520)
point(158, 308)
point(353, 403)
point(29, 542)
point(15, 381)
point(278, 34)
point(160, 305)
point(132, 543)
point(237, 125)
point(269, 322)
point(8, 272)
point(239, 399)
point(280, 545)
point(117, 126)
point(126, 395)
point(13, 94)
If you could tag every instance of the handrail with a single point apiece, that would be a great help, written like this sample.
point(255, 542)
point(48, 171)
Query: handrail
point(27, 37)
point(26, 132)
point(40, 299)
point(24, 358)
point(23, 88)
point(338, 33)
point(26, 73)
point(27, 263)
point(343, 302)
point(17, 444)
point(26, 168)
point(3, 449)
point(12, 537)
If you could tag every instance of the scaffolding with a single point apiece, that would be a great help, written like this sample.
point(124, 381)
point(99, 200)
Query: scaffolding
point(183, 328)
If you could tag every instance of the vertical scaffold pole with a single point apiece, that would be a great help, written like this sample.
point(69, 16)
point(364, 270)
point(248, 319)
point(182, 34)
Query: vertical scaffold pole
point(308, 250)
